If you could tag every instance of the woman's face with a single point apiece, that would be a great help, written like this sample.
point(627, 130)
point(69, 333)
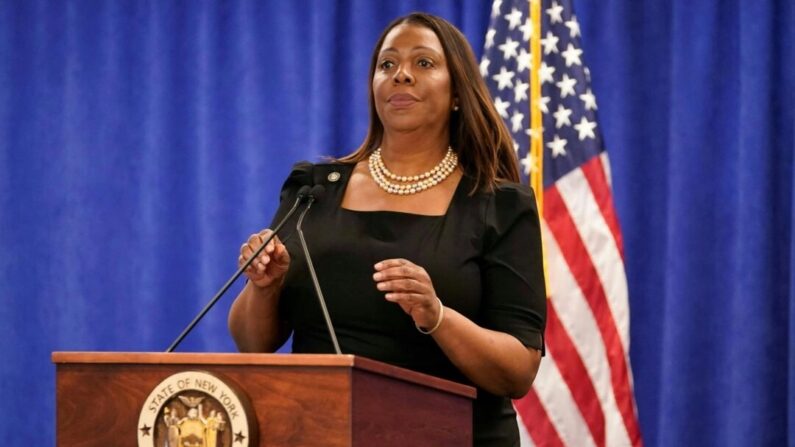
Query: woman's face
point(411, 83)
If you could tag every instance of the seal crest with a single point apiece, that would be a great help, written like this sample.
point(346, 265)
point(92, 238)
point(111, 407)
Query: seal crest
point(193, 409)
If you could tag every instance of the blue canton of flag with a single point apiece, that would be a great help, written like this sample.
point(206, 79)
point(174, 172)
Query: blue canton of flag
point(505, 67)
point(567, 103)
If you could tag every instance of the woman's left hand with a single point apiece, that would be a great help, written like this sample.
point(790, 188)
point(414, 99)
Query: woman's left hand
point(409, 285)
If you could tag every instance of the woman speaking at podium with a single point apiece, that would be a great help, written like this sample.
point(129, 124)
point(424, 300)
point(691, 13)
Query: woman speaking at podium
point(427, 248)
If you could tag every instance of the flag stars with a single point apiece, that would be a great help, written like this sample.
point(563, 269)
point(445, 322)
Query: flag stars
point(566, 85)
point(484, 67)
point(495, 8)
point(504, 78)
point(501, 106)
point(535, 133)
point(550, 43)
point(562, 116)
point(524, 61)
point(514, 18)
point(557, 146)
point(509, 48)
point(589, 100)
point(586, 128)
point(545, 73)
point(529, 163)
point(517, 121)
point(490, 38)
point(507, 65)
point(572, 55)
point(573, 26)
point(520, 91)
point(554, 12)
point(542, 104)
point(527, 30)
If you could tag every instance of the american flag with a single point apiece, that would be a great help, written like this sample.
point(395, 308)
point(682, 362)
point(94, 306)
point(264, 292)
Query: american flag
point(583, 393)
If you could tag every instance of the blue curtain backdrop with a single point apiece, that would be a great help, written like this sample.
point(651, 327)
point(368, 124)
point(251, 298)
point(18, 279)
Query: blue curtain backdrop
point(141, 142)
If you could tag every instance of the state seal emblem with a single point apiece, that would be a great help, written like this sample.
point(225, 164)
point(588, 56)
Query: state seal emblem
point(194, 409)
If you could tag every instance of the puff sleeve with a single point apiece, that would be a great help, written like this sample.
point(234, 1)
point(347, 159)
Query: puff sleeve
point(514, 293)
point(301, 175)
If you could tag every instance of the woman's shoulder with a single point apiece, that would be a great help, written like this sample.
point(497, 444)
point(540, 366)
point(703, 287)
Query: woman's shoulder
point(507, 195)
point(308, 173)
point(508, 203)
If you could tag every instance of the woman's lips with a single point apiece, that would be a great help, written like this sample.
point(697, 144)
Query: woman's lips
point(401, 100)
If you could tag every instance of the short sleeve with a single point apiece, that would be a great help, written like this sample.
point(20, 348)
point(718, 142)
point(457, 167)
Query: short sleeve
point(301, 175)
point(514, 298)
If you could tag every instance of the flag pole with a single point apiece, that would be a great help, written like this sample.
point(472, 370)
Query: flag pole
point(536, 134)
point(536, 124)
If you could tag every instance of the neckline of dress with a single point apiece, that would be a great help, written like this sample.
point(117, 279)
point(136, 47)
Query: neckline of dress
point(344, 187)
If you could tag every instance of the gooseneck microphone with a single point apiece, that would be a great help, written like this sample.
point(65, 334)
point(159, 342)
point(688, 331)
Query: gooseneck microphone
point(304, 192)
point(315, 195)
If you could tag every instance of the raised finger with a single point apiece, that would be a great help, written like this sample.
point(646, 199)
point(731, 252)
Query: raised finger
point(264, 235)
point(400, 285)
point(395, 262)
point(255, 240)
point(246, 251)
point(408, 297)
point(251, 269)
point(401, 271)
point(276, 241)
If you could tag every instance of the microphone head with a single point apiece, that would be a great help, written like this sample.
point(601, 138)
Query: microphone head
point(317, 192)
point(304, 191)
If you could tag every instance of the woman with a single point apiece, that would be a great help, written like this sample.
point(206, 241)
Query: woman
point(427, 249)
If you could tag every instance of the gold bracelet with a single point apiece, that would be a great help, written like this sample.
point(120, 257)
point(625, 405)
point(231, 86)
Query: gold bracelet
point(438, 322)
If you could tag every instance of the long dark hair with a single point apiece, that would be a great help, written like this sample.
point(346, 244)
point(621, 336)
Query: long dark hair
point(477, 133)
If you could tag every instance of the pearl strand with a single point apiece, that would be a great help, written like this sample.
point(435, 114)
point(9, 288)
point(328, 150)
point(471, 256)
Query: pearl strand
point(411, 184)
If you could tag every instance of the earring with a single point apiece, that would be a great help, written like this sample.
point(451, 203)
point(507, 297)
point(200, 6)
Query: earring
point(455, 108)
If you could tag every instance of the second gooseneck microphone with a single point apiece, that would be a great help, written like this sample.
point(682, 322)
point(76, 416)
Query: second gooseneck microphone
point(315, 195)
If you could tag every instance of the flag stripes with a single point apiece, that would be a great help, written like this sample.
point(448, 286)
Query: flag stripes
point(532, 414)
point(584, 212)
point(573, 250)
point(576, 376)
point(579, 322)
point(600, 188)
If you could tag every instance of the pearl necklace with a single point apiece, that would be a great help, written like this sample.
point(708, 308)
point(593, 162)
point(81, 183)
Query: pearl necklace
point(410, 184)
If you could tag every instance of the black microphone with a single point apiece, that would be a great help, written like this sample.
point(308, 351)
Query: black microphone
point(315, 195)
point(303, 193)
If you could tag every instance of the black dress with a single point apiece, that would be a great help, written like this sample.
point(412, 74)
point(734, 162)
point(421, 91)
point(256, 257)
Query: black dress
point(483, 256)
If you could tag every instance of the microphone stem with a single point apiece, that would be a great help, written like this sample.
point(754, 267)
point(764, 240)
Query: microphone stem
point(234, 277)
point(314, 277)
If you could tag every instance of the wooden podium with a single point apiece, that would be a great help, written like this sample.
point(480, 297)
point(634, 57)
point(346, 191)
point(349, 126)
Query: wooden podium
point(297, 399)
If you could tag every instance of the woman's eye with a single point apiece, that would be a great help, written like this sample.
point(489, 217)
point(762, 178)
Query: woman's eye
point(425, 63)
point(385, 65)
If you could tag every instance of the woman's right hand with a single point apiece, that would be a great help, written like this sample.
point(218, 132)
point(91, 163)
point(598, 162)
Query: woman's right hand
point(270, 266)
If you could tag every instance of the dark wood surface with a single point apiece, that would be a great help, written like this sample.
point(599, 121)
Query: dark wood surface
point(299, 400)
point(412, 417)
point(194, 358)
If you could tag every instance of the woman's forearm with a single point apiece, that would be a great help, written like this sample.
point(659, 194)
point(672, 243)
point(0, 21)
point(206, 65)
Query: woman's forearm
point(254, 319)
point(495, 361)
